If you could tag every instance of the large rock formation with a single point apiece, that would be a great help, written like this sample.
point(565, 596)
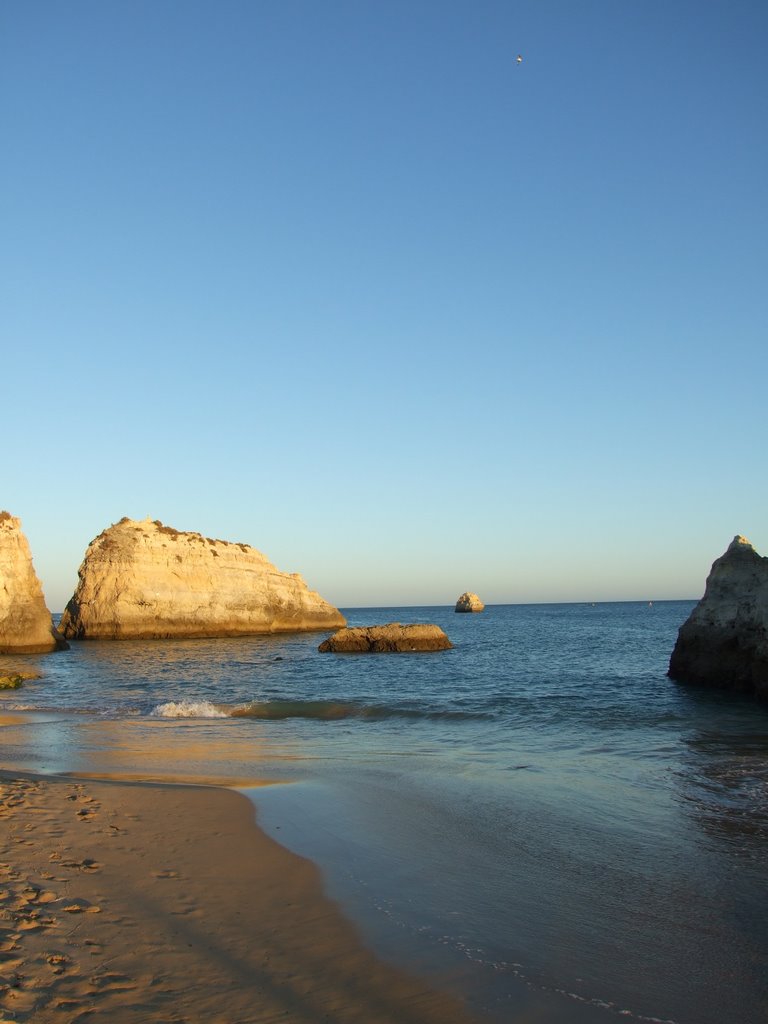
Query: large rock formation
point(392, 637)
point(724, 642)
point(469, 602)
point(145, 580)
point(25, 622)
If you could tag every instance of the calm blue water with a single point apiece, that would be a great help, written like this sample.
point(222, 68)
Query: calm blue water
point(538, 817)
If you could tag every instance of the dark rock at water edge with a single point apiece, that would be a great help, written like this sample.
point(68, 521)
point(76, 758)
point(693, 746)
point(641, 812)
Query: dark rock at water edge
point(724, 642)
point(15, 680)
point(390, 638)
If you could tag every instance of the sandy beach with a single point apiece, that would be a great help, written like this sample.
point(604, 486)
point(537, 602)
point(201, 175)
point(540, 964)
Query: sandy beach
point(136, 902)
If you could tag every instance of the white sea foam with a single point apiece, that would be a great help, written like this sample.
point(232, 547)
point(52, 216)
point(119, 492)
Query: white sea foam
point(188, 709)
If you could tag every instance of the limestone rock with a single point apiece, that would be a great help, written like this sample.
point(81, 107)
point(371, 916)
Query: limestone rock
point(469, 602)
point(392, 637)
point(143, 580)
point(724, 642)
point(25, 622)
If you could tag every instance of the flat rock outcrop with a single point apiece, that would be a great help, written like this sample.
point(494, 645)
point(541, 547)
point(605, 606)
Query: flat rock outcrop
point(25, 622)
point(469, 602)
point(392, 637)
point(724, 642)
point(144, 580)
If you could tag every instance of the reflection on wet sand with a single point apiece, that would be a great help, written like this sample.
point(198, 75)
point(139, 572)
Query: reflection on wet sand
point(145, 749)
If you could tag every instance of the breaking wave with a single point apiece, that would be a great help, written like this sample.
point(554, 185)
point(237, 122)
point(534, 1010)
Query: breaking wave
point(331, 710)
point(319, 710)
point(189, 709)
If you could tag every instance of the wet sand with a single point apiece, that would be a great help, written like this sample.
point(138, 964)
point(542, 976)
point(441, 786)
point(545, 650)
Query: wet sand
point(138, 902)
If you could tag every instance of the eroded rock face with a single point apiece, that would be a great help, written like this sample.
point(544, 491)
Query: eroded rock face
point(143, 580)
point(724, 642)
point(392, 637)
point(469, 602)
point(25, 622)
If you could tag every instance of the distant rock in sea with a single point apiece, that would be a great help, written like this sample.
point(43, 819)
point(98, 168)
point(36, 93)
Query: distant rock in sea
point(25, 622)
point(144, 580)
point(392, 637)
point(469, 602)
point(724, 642)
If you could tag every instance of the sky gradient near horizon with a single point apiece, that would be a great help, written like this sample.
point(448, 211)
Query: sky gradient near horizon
point(346, 282)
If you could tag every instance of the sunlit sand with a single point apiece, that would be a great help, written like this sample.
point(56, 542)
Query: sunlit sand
point(139, 903)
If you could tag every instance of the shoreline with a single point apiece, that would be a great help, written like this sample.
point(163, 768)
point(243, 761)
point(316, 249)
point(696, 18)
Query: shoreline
point(166, 902)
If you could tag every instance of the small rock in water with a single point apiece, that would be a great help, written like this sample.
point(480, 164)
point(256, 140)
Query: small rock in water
point(12, 682)
point(392, 637)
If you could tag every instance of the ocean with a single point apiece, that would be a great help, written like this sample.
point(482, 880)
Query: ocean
point(538, 818)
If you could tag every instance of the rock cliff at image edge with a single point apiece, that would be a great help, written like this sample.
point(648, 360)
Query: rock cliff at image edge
point(724, 642)
point(144, 580)
point(25, 622)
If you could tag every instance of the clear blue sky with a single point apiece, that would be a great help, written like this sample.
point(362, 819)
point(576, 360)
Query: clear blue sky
point(344, 281)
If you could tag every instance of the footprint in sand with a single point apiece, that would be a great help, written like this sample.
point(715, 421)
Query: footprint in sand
point(112, 982)
point(57, 962)
point(77, 906)
point(68, 1004)
point(28, 924)
point(86, 864)
point(47, 897)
